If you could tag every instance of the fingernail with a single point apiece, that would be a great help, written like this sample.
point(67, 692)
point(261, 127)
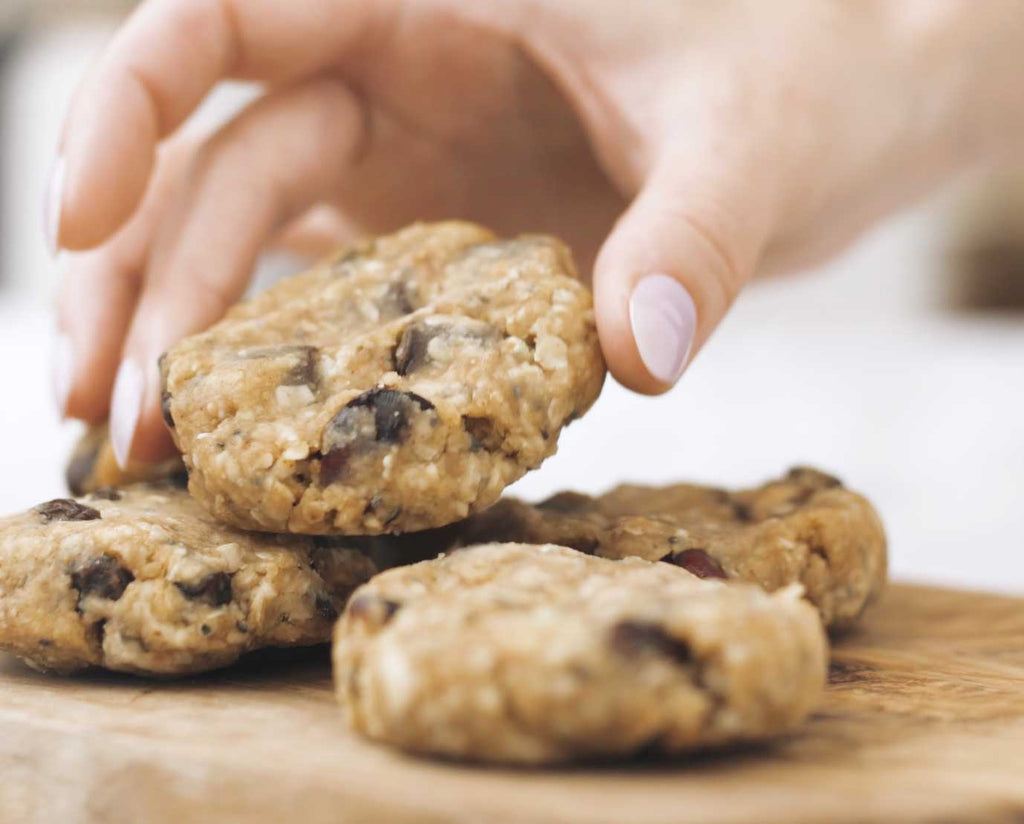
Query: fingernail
point(664, 321)
point(125, 408)
point(63, 370)
point(52, 206)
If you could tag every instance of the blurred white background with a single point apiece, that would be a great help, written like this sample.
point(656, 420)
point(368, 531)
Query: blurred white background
point(858, 368)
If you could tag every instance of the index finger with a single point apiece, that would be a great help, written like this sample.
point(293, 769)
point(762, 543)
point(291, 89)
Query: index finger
point(156, 71)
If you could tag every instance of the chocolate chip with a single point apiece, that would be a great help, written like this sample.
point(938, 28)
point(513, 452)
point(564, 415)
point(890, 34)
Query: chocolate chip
point(325, 609)
point(165, 395)
point(213, 589)
point(375, 417)
point(483, 434)
point(80, 468)
point(398, 299)
point(697, 562)
point(65, 509)
point(741, 512)
point(413, 350)
point(102, 576)
point(106, 493)
point(632, 638)
point(165, 408)
point(205, 629)
point(372, 608)
point(303, 373)
point(347, 259)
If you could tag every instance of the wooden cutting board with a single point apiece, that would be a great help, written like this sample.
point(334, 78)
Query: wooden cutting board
point(923, 721)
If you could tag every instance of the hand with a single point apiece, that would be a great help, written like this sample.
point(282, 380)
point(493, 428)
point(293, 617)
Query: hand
point(680, 146)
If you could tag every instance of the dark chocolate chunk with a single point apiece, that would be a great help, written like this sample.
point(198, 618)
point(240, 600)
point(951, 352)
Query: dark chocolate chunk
point(412, 352)
point(697, 562)
point(303, 373)
point(632, 638)
point(372, 608)
point(65, 509)
point(102, 576)
point(325, 609)
point(165, 396)
point(398, 299)
point(375, 417)
point(214, 589)
point(741, 512)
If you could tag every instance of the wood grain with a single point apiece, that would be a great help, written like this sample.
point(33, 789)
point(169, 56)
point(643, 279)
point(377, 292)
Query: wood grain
point(923, 721)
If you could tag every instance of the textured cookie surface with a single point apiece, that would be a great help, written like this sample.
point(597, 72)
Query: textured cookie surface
point(534, 654)
point(143, 580)
point(400, 386)
point(92, 465)
point(803, 528)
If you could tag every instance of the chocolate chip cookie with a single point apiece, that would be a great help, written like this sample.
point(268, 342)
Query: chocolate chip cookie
point(92, 466)
point(143, 580)
point(398, 386)
point(803, 528)
point(541, 654)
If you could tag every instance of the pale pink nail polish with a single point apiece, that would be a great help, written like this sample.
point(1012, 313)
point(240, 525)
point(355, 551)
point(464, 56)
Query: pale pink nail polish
point(125, 407)
point(664, 321)
point(53, 205)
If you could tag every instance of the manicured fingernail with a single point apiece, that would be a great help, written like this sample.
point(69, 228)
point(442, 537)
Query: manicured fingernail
point(52, 206)
point(125, 408)
point(664, 321)
point(63, 370)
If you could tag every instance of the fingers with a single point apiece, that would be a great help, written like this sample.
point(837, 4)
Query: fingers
point(674, 263)
point(286, 152)
point(97, 298)
point(156, 71)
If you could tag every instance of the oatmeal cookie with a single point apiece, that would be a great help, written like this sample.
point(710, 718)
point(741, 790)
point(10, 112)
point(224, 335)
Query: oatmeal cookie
point(398, 386)
point(143, 580)
point(541, 654)
point(803, 528)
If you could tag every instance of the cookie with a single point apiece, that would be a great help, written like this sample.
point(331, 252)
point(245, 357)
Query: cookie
point(804, 528)
point(541, 654)
point(92, 465)
point(143, 580)
point(398, 386)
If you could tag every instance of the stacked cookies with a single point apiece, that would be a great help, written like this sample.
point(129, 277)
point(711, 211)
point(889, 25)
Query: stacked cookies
point(347, 435)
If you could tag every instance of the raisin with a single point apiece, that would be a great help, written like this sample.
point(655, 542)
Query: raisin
point(214, 589)
point(65, 509)
point(632, 638)
point(102, 576)
point(697, 562)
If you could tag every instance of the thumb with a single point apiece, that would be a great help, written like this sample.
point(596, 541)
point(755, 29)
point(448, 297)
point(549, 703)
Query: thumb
point(674, 263)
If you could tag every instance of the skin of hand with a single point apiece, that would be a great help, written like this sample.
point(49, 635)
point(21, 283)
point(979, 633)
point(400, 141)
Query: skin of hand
point(679, 146)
